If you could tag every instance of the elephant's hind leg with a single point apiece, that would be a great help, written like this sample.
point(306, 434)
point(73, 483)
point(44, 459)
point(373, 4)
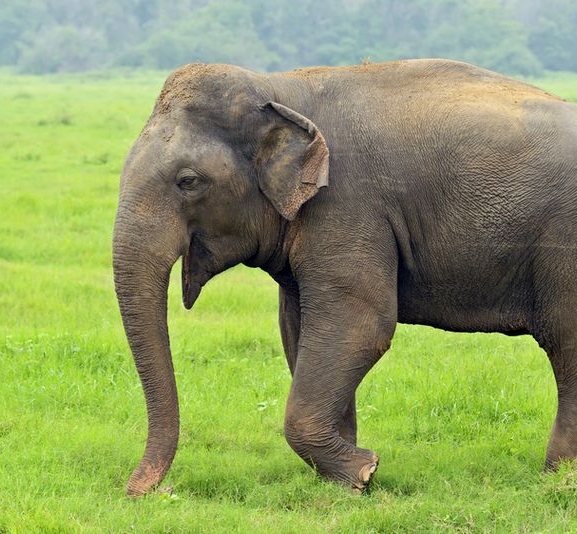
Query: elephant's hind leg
point(563, 440)
point(556, 332)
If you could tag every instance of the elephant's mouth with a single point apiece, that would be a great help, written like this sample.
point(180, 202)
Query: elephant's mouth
point(194, 272)
point(190, 290)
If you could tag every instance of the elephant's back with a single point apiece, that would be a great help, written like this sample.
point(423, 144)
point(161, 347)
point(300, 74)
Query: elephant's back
point(428, 78)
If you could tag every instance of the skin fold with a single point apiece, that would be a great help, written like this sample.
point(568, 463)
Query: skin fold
point(424, 192)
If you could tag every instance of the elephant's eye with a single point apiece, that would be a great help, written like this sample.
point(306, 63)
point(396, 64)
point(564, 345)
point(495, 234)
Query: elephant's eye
point(186, 179)
point(187, 182)
point(192, 184)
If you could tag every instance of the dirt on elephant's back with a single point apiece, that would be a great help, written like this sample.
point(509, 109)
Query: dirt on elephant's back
point(180, 85)
point(498, 94)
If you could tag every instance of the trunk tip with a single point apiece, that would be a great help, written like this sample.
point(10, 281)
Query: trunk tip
point(144, 479)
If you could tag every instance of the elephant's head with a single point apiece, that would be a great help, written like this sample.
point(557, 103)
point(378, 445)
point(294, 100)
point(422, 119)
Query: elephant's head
point(215, 175)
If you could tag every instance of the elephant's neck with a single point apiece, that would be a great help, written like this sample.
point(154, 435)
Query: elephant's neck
point(272, 256)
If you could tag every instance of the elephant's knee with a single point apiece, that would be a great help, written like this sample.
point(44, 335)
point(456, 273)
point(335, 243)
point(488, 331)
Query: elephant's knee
point(296, 430)
point(304, 433)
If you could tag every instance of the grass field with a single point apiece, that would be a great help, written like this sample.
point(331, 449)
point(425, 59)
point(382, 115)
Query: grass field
point(461, 421)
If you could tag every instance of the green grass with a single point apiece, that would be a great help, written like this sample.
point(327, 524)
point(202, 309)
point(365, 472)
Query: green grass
point(460, 421)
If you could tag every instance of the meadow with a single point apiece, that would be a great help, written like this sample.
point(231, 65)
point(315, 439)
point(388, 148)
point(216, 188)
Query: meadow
point(461, 421)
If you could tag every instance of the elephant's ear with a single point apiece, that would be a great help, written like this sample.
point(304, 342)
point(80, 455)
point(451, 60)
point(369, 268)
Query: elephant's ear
point(292, 161)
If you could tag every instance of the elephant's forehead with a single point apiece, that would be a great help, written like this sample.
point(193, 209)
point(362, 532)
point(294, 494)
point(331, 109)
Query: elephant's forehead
point(160, 128)
point(169, 131)
point(173, 138)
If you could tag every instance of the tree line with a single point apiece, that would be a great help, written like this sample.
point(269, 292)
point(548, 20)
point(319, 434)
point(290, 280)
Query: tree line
point(514, 36)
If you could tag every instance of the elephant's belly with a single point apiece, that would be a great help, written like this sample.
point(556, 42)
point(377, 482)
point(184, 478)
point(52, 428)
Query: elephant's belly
point(470, 308)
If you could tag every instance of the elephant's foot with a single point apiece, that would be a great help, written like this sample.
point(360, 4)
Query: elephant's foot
point(562, 445)
point(365, 476)
point(330, 455)
point(356, 471)
point(553, 460)
point(557, 455)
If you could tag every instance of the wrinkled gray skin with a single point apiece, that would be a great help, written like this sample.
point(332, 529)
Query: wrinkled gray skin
point(450, 200)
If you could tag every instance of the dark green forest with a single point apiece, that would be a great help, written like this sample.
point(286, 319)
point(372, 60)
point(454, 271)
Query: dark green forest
point(515, 36)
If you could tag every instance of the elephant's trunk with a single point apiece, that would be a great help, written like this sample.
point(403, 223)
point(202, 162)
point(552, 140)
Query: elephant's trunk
point(142, 268)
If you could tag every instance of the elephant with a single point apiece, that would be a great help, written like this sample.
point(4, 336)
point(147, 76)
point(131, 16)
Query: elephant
point(422, 191)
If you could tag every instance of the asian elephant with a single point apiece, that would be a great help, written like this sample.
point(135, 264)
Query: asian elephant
point(423, 191)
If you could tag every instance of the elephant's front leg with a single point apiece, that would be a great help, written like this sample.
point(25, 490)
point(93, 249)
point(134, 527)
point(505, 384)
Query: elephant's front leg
point(290, 326)
point(341, 339)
